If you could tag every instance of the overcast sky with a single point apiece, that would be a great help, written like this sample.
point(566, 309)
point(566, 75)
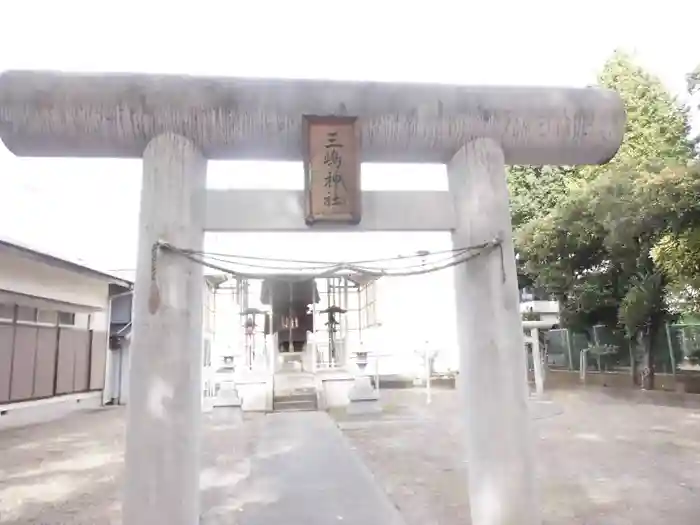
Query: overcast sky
point(88, 209)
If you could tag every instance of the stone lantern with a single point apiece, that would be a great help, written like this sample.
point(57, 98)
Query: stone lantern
point(364, 397)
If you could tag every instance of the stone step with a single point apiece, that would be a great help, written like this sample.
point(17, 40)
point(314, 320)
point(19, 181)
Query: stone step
point(289, 382)
point(301, 399)
point(294, 404)
point(287, 392)
point(287, 396)
point(310, 396)
point(304, 391)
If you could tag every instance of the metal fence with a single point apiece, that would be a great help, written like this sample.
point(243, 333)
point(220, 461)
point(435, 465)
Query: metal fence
point(673, 346)
point(685, 339)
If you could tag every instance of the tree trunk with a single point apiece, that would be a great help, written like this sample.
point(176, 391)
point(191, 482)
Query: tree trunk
point(634, 368)
point(647, 371)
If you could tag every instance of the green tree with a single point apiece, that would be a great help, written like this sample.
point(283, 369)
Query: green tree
point(535, 190)
point(658, 127)
point(595, 250)
point(678, 254)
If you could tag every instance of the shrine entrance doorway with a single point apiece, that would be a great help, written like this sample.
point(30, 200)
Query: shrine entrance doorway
point(328, 317)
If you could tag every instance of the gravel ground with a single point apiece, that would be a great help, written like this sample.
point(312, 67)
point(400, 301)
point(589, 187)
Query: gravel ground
point(603, 461)
point(69, 472)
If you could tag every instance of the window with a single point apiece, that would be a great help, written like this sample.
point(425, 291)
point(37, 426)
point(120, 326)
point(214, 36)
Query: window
point(7, 311)
point(26, 313)
point(47, 316)
point(66, 318)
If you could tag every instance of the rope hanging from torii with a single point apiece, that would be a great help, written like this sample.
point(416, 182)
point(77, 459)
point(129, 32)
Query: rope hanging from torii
point(320, 269)
point(325, 269)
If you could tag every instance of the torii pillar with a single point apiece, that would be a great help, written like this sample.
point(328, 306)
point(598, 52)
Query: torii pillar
point(176, 123)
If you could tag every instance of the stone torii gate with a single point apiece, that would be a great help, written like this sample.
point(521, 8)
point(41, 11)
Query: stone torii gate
point(176, 123)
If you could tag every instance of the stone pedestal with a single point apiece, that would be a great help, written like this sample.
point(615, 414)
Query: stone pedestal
point(165, 387)
point(229, 397)
point(364, 398)
point(207, 405)
point(493, 368)
point(229, 406)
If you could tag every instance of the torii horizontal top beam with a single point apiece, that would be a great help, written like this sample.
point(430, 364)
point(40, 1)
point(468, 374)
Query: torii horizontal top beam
point(115, 115)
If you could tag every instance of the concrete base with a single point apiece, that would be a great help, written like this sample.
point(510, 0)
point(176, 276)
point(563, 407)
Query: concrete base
point(334, 387)
point(227, 414)
point(208, 404)
point(290, 381)
point(228, 397)
point(364, 399)
point(255, 392)
point(24, 413)
point(294, 391)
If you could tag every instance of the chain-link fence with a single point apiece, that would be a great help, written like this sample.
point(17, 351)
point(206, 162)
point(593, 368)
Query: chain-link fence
point(685, 339)
point(673, 346)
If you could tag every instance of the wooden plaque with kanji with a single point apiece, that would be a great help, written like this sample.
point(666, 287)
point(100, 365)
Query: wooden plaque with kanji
point(332, 170)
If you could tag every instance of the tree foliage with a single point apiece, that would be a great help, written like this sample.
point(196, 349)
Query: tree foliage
point(679, 257)
point(605, 239)
point(678, 254)
point(535, 190)
point(658, 127)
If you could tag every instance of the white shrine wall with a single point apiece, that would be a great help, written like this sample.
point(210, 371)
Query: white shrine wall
point(415, 312)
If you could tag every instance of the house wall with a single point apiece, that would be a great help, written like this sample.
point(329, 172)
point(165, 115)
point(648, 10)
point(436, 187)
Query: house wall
point(41, 359)
point(49, 349)
point(117, 387)
point(121, 309)
point(545, 309)
point(117, 383)
point(30, 277)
